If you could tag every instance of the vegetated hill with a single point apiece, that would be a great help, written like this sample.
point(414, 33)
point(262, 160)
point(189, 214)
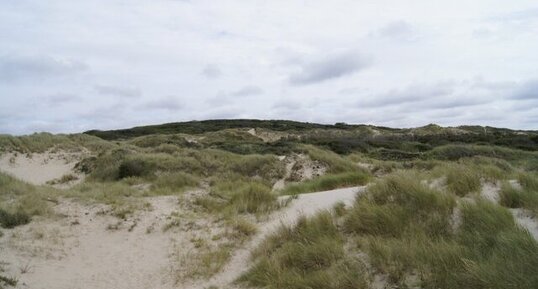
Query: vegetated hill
point(342, 137)
point(197, 127)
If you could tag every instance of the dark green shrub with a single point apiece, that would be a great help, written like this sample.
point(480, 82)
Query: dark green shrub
point(11, 220)
point(7, 281)
point(87, 165)
point(134, 168)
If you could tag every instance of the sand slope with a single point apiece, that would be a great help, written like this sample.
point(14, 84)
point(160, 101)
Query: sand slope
point(38, 169)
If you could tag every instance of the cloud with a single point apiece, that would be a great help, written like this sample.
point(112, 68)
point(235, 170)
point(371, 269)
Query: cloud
point(61, 98)
point(287, 104)
point(170, 103)
point(129, 92)
point(517, 16)
point(212, 71)
point(398, 30)
point(331, 67)
point(14, 68)
point(250, 90)
point(527, 90)
point(410, 94)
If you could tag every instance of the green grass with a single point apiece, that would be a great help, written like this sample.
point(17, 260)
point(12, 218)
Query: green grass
point(526, 197)
point(462, 180)
point(308, 255)
point(19, 201)
point(328, 182)
point(476, 255)
point(41, 142)
point(238, 197)
point(334, 162)
point(400, 204)
point(175, 182)
point(407, 229)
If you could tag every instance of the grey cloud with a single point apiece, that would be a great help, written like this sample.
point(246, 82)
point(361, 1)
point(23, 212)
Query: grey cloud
point(527, 90)
point(60, 98)
point(167, 103)
point(211, 71)
point(13, 68)
point(247, 91)
point(223, 97)
point(287, 104)
point(398, 30)
point(449, 102)
point(410, 94)
point(118, 91)
point(329, 68)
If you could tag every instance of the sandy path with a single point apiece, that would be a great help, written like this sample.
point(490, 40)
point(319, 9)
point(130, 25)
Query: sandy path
point(306, 204)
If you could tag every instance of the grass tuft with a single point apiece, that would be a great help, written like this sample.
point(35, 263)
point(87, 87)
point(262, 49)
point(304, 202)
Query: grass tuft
point(328, 182)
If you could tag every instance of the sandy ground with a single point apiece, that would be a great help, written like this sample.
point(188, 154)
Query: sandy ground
point(38, 169)
point(88, 248)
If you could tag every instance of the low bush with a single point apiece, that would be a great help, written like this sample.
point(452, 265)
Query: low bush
point(134, 168)
point(7, 281)
point(10, 220)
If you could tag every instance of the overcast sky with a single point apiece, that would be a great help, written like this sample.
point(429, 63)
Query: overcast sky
point(70, 66)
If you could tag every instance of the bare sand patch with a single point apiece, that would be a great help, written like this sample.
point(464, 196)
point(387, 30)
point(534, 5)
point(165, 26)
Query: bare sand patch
point(40, 168)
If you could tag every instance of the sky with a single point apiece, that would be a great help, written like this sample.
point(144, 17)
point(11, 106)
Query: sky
point(69, 66)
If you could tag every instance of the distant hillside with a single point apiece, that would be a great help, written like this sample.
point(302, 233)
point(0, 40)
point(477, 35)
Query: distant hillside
point(198, 127)
point(342, 137)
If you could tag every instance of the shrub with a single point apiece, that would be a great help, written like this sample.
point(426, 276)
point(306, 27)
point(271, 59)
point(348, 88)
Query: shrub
point(134, 168)
point(7, 281)
point(11, 220)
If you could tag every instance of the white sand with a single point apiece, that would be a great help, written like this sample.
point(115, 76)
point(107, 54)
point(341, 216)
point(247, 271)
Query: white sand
point(79, 252)
point(38, 169)
point(88, 255)
point(526, 220)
